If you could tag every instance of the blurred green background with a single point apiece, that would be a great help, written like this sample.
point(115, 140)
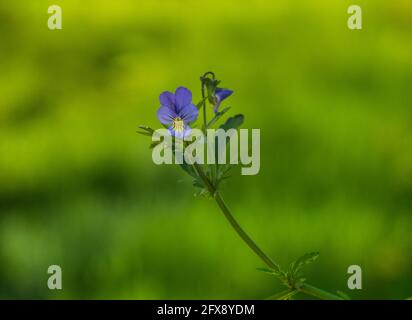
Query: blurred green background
point(78, 187)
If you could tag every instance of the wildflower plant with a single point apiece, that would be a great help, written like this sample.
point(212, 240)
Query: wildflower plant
point(178, 115)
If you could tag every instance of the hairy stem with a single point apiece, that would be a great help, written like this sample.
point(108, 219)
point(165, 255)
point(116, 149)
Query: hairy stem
point(304, 288)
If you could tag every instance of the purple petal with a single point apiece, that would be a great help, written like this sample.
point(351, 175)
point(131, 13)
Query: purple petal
point(171, 131)
point(166, 115)
point(183, 97)
point(181, 134)
point(167, 99)
point(189, 113)
point(222, 94)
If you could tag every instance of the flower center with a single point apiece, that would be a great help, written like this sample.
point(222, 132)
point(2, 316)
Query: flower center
point(178, 124)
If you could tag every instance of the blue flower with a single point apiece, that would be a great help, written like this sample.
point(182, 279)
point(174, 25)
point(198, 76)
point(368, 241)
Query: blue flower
point(220, 95)
point(177, 111)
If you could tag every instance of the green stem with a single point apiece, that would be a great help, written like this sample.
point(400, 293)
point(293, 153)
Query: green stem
point(252, 245)
point(319, 293)
point(204, 107)
point(305, 288)
point(207, 74)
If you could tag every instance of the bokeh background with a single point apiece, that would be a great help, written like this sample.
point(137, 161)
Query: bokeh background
point(78, 187)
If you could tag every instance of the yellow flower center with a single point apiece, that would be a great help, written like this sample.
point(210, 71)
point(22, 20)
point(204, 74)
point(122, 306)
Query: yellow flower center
point(178, 124)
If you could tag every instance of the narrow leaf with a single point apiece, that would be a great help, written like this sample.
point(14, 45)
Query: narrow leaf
point(217, 116)
point(284, 295)
point(146, 129)
point(302, 261)
point(266, 270)
point(233, 122)
point(145, 133)
point(276, 271)
point(343, 295)
point(189, 169)
point(200, 104)
point(154, 144)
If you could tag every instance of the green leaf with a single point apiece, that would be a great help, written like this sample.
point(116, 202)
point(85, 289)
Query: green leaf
point(284, 295)
point(223, 171)
point(201, 192)
point(217, 116)
point(144, 133)
point(343, 295)
point(266, 270)
point(233, 122)
point(294, 274)
point(202, 189)
point(199, 105)
point(146, 130)
point(306, 259)
point(188, 168)
point(274, 271)
point(154, 144)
